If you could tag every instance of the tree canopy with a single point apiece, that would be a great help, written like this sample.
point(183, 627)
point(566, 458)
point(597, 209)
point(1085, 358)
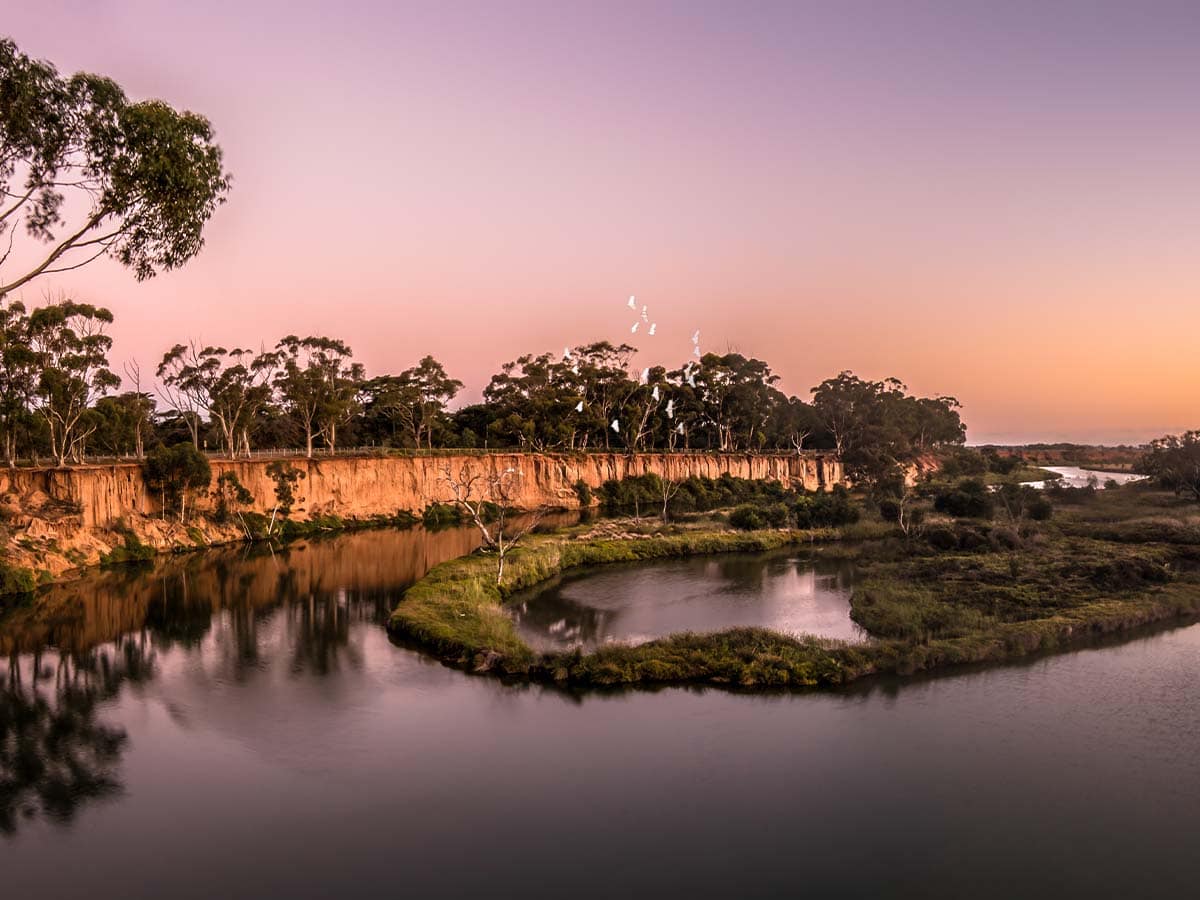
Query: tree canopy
point(86, 172)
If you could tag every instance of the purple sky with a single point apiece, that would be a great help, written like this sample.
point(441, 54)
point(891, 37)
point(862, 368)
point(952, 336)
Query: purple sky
point(997, 201)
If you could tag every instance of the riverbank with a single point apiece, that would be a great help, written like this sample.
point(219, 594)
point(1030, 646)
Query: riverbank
point(54, 522)
point(966, 592)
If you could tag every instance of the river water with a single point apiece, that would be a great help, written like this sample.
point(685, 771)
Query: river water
point(1075, 477)
point(239, 725)
point(785, 590)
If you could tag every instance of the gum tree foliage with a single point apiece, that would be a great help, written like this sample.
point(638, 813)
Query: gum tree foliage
point(70, 356)
point(412, 403)
point(121, 421)
point(174, 472)
point(877, 428)
point(85, 172)
point(1174, 461)
point(319, 384)
point(230, 386)
point(17, 377)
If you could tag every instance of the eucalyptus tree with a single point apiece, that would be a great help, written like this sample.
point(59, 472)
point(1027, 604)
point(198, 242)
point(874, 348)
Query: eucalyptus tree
point(731, 397)
point(416, 399)
point(184, 380)
point(319, 384)
point(240, 388)
point(534, 398)
point(70, 354)
point(122, 421)
point(85, 172)
point(1174, 461)
point(17, 376)
point(229, 386)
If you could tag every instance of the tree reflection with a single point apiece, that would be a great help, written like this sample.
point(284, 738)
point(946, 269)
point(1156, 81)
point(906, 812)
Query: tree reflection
point(55, 753)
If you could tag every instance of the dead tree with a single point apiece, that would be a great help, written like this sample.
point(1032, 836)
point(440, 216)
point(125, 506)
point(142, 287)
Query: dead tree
point(488, 501)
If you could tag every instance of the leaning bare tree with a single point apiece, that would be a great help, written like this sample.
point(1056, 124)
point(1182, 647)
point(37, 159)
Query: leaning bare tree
point(488, 500)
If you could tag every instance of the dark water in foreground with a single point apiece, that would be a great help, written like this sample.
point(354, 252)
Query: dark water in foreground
point(241, 727)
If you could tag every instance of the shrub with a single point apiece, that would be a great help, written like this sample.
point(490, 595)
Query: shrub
point(173, 472)
point(230, 494)
point(132, 550)
point(747, 518)
point(440, 515)
point(1040, 508)
point(942, 538)
point(968, 499)
point(16, 579)
point(583, 492)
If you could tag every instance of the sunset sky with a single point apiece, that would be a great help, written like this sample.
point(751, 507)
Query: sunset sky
point(996, 201)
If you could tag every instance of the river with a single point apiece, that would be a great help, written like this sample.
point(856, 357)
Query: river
point(238, 725)
point(1075, 477)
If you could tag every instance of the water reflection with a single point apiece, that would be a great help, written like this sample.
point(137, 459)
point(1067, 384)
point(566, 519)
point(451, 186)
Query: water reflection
point(785, 591)
point(228, 616)
point(55, 754)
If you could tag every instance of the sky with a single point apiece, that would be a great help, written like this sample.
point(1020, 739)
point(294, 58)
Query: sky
point(996, 201)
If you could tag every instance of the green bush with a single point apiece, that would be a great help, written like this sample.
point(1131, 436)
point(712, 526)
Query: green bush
point(942, 538)
point(747, 518)
point(16, 579)
point(172, 472)
point(441, 515)
point(969, 499)
point(132, 550)
point(583, 492)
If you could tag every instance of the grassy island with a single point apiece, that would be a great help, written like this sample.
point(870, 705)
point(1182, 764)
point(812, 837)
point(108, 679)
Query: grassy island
point(962, 591)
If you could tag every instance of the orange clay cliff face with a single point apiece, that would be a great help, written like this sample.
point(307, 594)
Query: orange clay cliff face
point(53, 520)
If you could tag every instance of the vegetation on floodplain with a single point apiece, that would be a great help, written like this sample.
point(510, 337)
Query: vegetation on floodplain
point(964, 589)
point(759, 503)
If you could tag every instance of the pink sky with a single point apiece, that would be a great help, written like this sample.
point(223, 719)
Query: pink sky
point(996, 201)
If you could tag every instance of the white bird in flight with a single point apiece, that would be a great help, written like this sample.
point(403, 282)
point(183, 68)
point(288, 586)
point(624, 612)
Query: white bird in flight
point(633, 330)
point(670, 409)
point(696, 351)
point(679, 428)
point(616, 426)
point(653, 325)
point(645, 317)
point(654, 393)
point(696, 336)
point(566, 352)
point(579, 406)
point(632, 302)
point(645, 377)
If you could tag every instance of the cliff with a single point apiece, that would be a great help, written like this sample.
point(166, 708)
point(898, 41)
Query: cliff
point(56, 519)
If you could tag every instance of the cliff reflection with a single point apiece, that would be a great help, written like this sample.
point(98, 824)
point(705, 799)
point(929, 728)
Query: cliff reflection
point(225, 616)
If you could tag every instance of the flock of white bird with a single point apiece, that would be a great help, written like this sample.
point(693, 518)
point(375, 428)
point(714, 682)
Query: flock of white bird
point(689, 367)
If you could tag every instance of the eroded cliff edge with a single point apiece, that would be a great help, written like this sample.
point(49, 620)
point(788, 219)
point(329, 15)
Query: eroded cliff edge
point(55, 520)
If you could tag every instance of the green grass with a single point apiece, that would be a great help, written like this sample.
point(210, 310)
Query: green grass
point(1109, 561)
point(457, 612)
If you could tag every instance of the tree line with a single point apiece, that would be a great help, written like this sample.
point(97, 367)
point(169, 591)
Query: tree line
point(86, 172)
point(61, 400)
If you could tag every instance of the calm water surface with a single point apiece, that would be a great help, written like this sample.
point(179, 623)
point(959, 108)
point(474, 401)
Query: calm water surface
point(1073, 476)
point(786, 591)
point(240, 726)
